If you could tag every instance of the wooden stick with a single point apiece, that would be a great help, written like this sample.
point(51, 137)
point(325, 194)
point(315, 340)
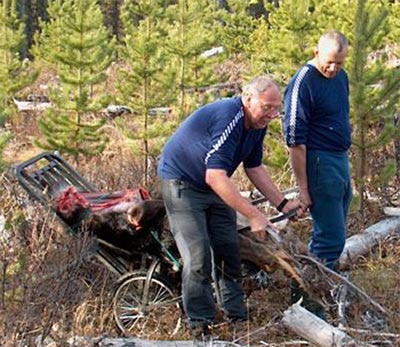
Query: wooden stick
point(342, 297)
point(370, 333)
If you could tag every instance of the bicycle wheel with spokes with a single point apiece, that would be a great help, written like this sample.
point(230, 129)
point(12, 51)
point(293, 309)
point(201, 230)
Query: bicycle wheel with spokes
point(146, 308)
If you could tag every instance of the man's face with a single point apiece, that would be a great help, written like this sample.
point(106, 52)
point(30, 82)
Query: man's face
point(329, 59)
point(263, 108)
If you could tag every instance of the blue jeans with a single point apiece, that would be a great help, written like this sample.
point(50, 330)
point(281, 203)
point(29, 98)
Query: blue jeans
point(329, 185)
point(204, 228)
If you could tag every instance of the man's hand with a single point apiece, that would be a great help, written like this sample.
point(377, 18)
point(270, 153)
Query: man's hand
point(294, 204)
point(305, 201)
point(258, 224)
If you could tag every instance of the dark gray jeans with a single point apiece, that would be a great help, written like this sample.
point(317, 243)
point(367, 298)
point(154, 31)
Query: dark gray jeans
point(204, 227)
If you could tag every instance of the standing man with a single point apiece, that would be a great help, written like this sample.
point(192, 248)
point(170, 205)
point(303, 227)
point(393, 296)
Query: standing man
point(201, 200)
point(318, 134)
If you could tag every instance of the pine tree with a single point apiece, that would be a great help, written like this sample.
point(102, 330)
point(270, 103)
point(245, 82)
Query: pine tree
point(237, 25)
point(374, 88)
point(5, 137)
point(82, 56)
point(335, 14)
point(30, 12)
point(14, 73)
point(278, 47)
point(282, 45)
point(393, 45)
point(48, 43)
point(111, 11)
point(140, 87)
point(190, 33)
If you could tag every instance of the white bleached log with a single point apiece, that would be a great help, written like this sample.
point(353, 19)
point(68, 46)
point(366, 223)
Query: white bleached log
point(360, 244)
point(392, 211)
point(135, 342)
point(317, 331)
point(31, 105)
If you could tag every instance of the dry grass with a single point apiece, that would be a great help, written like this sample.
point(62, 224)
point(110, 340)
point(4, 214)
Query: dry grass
point(51, 286)
point(49, 283)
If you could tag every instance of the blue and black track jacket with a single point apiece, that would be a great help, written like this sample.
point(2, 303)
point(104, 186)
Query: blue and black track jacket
point(213, 137)
point(317, 110)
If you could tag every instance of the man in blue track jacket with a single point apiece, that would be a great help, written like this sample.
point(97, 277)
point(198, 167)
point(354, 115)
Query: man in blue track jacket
point(201, 200)
point(318, 135)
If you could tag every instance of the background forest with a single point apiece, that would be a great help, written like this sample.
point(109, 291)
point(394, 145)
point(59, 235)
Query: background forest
point(117, 77)
point(162, 59)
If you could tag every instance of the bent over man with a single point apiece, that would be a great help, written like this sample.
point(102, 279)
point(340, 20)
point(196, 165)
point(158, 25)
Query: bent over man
point(201, 200)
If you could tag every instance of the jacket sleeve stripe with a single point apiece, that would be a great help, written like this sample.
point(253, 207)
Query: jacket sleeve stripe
point(293, 105)
point(224, 136)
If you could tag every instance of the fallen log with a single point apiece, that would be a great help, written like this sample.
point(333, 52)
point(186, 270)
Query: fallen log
point(360, 244)
point(78, 341)
point(392, 211)
point(310, 327)
point(32, 105)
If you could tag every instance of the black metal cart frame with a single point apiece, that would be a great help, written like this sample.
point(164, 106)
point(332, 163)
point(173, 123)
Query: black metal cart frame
point(143, 296)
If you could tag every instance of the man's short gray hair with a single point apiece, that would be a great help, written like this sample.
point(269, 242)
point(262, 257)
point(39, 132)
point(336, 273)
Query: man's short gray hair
point(334, 36)
point(259, 85)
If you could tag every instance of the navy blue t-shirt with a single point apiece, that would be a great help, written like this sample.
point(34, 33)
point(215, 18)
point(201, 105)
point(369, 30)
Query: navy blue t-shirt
point(317, 110)
point(213, 137)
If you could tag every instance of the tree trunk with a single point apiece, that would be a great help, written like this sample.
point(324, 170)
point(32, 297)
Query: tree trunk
point(360, 244)
point(316, 330)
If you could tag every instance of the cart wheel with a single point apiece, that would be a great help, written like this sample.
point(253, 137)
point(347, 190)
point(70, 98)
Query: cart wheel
point(150, 313)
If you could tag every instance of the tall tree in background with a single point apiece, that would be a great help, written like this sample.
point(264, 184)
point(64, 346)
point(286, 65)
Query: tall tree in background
point(279, 47)
point(335, 14)
point(286, 42)
point(84, 53)
point(374, 88)
point(190, 33)
point(237, 25)
point(14, 73)
point(394, 62)
point(140, 85)
point(27, 15)
point(48, 43)
point(111, 11)
point(31, 12)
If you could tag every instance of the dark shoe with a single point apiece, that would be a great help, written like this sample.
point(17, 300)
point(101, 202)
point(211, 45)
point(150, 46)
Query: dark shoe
point(243, 318)
point(296, 293)
point(202, 336)
point(237, 319)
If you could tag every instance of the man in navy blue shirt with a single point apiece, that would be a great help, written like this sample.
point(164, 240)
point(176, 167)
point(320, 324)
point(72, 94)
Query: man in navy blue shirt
point(318, 135)
point(201, 199)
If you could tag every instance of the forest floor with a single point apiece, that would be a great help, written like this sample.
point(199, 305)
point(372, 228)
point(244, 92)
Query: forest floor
point(49, 288)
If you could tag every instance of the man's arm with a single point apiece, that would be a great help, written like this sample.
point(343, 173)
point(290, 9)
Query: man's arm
point(263, 182)
point(298, 160)
point(222, 185)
